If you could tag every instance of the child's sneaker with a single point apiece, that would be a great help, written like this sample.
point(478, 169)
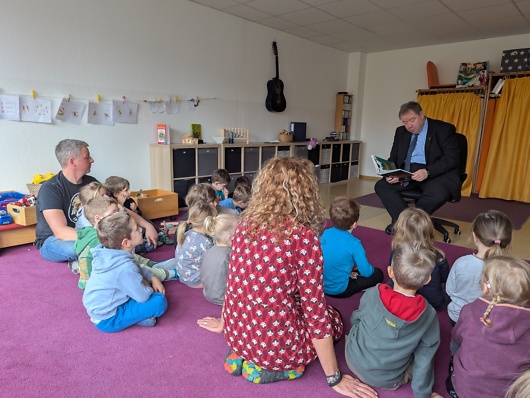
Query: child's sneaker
point(74, 266)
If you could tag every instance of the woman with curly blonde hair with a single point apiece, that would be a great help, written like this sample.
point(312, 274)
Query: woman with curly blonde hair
point(275, 317)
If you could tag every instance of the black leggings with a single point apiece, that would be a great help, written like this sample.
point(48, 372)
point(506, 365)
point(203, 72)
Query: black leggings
point(360, 283)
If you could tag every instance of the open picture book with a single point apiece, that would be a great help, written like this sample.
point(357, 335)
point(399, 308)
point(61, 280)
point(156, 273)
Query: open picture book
point(386, 168)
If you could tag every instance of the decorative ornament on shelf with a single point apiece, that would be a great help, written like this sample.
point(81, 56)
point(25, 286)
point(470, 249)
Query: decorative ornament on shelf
point(313, 142)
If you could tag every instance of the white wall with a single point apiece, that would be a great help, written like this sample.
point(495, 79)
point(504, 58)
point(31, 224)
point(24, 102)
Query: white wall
point(392, 78)
point(146, 50)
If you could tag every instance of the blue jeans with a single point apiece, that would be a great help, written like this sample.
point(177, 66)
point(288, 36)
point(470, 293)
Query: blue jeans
point(132, 312)
point(57, 250)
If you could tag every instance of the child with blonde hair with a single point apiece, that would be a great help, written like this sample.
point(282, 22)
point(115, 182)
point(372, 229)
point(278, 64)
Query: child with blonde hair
point(520, 388)
point(491, 232)
point(493, 332)
point(214, 269)
point(414, 226)
point(89, 191)
point(192, 243)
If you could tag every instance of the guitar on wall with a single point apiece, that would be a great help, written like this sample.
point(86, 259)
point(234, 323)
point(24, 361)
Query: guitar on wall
point(275, 101)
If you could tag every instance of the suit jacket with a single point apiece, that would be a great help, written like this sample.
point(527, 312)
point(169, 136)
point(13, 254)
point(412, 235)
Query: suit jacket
point(442, 153)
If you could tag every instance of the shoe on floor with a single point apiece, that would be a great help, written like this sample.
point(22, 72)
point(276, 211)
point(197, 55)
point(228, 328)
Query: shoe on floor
point(74, 266)
point(390, 229)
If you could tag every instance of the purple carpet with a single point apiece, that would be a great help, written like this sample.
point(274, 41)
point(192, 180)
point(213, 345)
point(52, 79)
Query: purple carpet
point(49, 348)
point(467, 209)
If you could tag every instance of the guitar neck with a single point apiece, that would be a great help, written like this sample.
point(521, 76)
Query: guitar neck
point(277, 69)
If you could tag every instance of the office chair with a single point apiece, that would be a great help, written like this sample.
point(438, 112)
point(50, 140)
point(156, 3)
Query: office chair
point(415, 195)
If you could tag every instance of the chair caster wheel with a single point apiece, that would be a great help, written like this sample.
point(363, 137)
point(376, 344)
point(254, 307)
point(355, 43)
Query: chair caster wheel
point(458, 232)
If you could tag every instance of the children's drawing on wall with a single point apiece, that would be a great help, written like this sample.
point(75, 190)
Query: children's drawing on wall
point(472, 74)
point(9, 107)
point(35, 110)
point(100, 113)
point(172, 107)
point(157, 106)
point(124, 112)
point(70, 111)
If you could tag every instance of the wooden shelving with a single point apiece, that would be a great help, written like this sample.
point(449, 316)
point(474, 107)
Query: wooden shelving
point(343, 115)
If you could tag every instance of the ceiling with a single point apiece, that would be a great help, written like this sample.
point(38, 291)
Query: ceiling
point(381, 25)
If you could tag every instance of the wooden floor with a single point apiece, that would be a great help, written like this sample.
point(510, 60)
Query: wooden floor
point(378, 218)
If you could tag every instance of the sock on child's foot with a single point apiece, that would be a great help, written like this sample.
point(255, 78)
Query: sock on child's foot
point(257, 375)
point(173, 275)
point(233, 364)
point(149, 322)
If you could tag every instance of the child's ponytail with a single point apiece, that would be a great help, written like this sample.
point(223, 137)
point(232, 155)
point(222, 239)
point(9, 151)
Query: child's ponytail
point(494, 230)
point(181, 230)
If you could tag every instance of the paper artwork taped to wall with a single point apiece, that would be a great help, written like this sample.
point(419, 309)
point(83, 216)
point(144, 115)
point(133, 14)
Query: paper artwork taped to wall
point(124, 112)
point(9, 107)
point(35, 110)
point(172, 107)
point(158, 106)
point(70, 111)
point(472, 74)
point(100, 113)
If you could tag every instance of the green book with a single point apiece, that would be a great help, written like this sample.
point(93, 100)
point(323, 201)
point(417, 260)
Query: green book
point(196, 131)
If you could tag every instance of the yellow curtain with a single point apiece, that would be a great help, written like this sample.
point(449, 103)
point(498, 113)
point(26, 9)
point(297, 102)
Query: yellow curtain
point(507, 174)
point(463, 110)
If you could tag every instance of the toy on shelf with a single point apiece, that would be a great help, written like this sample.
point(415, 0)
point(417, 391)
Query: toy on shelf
point(313, 142)
point(188, 139)
point(285, 136)
point(37, 181)
point(236, 134)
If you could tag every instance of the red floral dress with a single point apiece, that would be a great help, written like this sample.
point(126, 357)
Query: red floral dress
point(274, 304)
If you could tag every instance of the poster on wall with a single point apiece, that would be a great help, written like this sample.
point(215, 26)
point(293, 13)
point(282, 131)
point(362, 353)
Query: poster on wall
point(35, 110)
point(472, 74)
point(70, 111)
point(99, 113)
point(124, 112)
point(9, 107)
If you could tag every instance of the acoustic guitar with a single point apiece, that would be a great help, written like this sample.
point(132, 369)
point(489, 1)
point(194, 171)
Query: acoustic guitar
point(275, 101)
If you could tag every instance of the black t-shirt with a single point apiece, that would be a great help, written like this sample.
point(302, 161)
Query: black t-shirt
point(57, 193)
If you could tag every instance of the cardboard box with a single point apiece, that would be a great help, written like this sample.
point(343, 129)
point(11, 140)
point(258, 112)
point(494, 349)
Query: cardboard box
point(156, 203)
point(23, 215)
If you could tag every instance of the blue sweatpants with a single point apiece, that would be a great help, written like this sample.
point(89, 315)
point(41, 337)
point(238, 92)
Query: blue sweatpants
point(132, 312)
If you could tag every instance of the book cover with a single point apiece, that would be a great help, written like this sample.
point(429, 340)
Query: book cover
point(386, 168)
point(196, 131)
point(472, 74)
point(163, 133)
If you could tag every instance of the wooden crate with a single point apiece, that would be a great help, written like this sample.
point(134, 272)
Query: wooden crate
point(14, 235)
point(23, 215)
point(156, 203)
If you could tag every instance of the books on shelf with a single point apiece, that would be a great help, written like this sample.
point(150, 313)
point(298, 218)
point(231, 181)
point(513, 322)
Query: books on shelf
point(386, 168)
point(498, 87)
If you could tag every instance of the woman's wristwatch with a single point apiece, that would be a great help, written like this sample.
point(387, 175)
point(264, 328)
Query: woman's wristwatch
point(334, 379)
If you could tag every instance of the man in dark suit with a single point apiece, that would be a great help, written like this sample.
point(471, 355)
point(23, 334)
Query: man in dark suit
point(433, 159)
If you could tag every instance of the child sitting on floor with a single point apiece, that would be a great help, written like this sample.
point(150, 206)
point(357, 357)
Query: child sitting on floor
point(414, 226)
point(86, 193)
point(120, 293)
point(241, 181)
point(214, 268)
point(239, 201)
point(492, 234)
point(220, 179)
point(346, 268)
point(395, 332)
point(192, 244)
point(120, 189)
point(87, 239)
point(493, 332)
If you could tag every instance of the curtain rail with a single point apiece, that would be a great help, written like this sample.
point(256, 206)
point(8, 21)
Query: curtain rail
point(431, 91)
